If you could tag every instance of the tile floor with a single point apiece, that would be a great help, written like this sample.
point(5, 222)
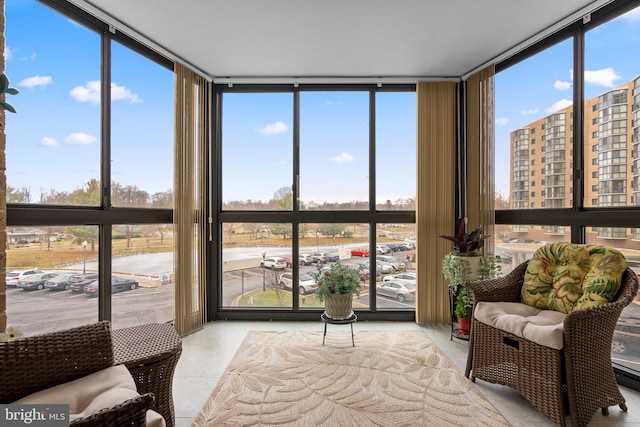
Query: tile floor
point(207, 352)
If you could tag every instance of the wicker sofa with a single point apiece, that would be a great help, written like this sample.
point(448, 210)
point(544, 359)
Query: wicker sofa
point(570, 373)
point(33, 370)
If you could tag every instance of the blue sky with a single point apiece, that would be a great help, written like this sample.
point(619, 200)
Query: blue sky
point(54, 140)
point(334, 138)
point(542, 84)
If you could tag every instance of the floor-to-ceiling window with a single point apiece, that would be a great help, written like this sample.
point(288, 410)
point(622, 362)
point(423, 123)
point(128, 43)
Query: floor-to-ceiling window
point(567, 148)
point(89, 173)
point(309, 176)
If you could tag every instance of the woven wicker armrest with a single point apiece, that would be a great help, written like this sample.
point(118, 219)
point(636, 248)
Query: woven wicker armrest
point(35, 363)
point(132, 412)
point(505, 288)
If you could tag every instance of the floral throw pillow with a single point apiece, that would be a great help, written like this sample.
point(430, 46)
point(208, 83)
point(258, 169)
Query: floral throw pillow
point(566, 276)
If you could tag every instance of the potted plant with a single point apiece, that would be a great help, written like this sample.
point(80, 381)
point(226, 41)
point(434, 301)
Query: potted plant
point(464, 263)
point(336, 287)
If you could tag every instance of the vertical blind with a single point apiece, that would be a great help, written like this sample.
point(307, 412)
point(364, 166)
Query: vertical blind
point(191, 138)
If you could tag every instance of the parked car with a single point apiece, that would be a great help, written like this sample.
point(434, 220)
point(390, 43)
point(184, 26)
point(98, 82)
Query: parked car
point(363, 268)
point(118, 284)
point(77, 282)
point(384, 268)
point(398, 289)
point(400, 276)
point(382, 249)
point(306, 282)
point(408, 246)
point(394, 246)
point(273, 262)
point(397, 265)
point(305, 259)
point(331, 257)
point(12, 277)
point(58, 283)
point(35, 281)
point(505, 257)
point(318, 257)
point(361, 252)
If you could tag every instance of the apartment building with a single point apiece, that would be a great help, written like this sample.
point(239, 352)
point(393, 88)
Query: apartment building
point(541, 165)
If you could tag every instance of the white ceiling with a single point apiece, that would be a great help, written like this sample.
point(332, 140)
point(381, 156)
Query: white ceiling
point(335, 38)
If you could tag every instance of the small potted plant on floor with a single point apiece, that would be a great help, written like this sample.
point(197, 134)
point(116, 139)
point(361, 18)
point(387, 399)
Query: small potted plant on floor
point(465, 263)
point(336, 286)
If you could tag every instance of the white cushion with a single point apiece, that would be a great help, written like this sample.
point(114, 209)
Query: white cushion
point(91, 393)
point(544, 327)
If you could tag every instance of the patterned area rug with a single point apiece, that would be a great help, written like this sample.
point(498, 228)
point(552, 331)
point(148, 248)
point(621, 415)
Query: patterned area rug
point(390, 378)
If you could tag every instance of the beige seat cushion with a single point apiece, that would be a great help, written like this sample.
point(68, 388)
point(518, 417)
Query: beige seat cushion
point(91, 393)
point(543, 327)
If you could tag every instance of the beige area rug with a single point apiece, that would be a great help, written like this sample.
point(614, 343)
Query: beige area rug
point(390, 378)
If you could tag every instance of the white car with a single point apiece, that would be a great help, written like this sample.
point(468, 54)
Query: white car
point(400, 276)
point(13, 276)
point(273, 262)
point(382, 249)
point(306, 282)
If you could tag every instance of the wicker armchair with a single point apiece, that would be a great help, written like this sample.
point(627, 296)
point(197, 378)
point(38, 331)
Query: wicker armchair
point(40, 362)
point(577, 379)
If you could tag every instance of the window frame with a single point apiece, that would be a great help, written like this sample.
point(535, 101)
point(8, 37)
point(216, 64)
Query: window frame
point(371, 216)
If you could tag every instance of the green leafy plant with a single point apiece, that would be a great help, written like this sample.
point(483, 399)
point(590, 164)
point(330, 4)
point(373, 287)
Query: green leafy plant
point(337, 279)
point(456, 267)
point(466, 244)
point(463, 303)
point(457, 270)
point(4, 89)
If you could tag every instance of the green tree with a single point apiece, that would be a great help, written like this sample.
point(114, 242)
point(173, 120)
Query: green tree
point(88, 194)
point(332, 229)
point(283, 229)
point(82, 233)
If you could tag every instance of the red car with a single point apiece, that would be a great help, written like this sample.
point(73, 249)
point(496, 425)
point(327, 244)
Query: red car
point(362, 252)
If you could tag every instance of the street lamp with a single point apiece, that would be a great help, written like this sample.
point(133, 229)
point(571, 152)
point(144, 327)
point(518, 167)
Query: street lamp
point(342, 239)
point(264, 288)
point(84, 257)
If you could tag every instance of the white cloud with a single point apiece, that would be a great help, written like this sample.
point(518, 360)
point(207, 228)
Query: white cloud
point(34, 81)
point(559, 105)
point(49, 142)
point(91, 93)
point(560, 85)
point(604, 77)
point(274, 128)
point(529, 112)
point(80, 138)
point(343, 158)
point(120, 92)
point(31, 57)
point(502, 121)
